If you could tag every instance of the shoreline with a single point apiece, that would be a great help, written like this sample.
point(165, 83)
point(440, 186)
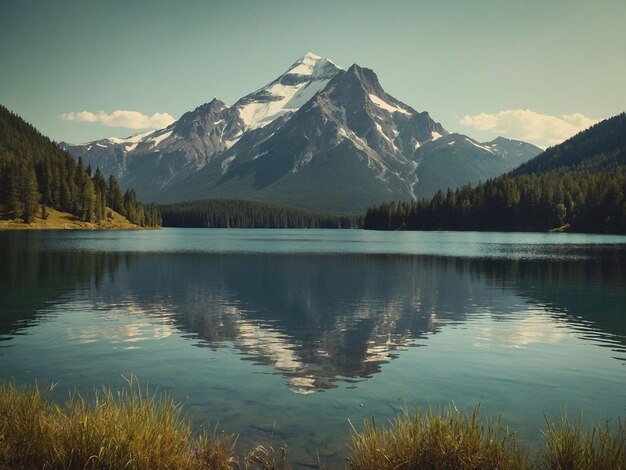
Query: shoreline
point(57, 220)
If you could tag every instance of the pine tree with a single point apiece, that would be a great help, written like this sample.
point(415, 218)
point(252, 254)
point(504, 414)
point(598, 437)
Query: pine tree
point(88, 200)
point(30, 195)
point(13, 193)
point(114, 196)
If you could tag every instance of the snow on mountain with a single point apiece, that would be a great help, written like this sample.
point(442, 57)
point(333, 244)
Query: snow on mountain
point(481, 146)
point(133, 139)
point(386, 106)
point(306, 77)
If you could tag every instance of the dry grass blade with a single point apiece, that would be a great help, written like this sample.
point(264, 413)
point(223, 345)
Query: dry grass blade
point(265, 458)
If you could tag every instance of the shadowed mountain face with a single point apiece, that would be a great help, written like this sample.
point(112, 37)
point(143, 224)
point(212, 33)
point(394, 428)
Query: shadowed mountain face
point(318, 137)
point(316, 319)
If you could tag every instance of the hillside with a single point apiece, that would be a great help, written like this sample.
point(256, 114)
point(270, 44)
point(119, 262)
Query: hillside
point(579, 186)
point(600, 148)
point(37, 176)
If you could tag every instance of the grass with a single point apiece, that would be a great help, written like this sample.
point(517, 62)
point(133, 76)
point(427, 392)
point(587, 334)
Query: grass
point(455, 440)
point(62, 220)
point(129, 429)
point(446, 440)
point(135, 429)
point(571, 445)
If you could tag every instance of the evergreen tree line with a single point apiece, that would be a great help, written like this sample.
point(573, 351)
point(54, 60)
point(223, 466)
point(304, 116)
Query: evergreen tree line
point(579, 185)
point(231, 213)
point(585, 203)
point(35, 174)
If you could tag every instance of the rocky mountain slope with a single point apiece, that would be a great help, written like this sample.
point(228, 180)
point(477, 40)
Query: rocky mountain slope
point(318, 137)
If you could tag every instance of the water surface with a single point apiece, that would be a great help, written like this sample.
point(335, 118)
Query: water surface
point(291, 333)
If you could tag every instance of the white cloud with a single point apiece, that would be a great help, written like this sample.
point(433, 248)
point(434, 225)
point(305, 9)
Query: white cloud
point(122, 118)
point(524, 124)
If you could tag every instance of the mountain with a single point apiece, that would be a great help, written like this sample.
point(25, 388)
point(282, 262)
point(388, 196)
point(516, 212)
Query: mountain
point(579, 186)
point(456, 159)
point(318, 136)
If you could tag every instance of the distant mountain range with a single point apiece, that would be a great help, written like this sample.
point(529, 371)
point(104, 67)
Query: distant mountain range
point(318, 137)
point(578, 186)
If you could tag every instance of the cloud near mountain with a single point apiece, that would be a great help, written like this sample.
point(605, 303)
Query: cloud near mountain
point(122, 118)
point(524, 124)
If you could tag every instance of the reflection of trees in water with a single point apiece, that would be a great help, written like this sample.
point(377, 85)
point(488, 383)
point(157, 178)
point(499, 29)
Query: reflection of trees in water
point(315, 318)
point(32, 280)
point(589, 293)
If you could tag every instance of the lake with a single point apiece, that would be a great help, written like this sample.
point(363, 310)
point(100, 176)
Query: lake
point(290, 335)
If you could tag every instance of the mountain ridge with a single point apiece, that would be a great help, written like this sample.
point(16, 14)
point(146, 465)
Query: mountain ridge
point(318, 137)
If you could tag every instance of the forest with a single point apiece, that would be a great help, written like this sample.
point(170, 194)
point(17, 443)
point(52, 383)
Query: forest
point(231, 213)
point(35, 175)
point(578, 186)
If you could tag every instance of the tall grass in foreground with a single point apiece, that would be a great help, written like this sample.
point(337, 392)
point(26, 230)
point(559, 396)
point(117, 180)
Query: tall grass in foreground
point(569, 445)
point(454, 440)
point(129, 429)
point(133, 429)
point(446, 440)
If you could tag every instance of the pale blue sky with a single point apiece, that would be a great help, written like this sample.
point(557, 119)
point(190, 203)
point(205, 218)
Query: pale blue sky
point(451, 58)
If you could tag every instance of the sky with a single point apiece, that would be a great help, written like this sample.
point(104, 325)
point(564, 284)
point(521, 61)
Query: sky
point(535, 70)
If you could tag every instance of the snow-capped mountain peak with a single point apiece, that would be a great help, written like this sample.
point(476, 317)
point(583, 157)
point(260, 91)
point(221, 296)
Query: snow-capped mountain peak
point(305, 64)
point(306, 77)
point(312, 65)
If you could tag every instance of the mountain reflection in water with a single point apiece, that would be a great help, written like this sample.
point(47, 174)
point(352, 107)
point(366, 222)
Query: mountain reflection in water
point(318, 319)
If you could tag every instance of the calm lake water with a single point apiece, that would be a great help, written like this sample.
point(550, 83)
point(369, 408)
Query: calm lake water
point(292, 333)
